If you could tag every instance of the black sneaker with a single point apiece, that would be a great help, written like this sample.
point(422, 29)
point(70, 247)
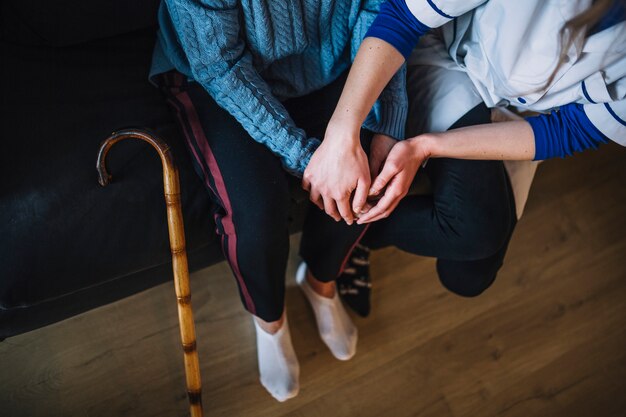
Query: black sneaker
point(354, 283)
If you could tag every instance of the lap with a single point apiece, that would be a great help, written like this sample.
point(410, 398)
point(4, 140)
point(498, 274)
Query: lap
point(241, 174)
point(222, 148)
point(467, 216)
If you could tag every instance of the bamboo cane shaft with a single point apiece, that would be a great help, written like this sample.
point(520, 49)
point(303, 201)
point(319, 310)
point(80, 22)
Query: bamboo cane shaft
point(171, 188)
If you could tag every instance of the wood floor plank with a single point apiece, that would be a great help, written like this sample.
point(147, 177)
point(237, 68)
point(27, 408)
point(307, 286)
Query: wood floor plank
point(548, 339)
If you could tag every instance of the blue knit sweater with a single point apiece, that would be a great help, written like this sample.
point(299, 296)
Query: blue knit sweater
point(252, 54)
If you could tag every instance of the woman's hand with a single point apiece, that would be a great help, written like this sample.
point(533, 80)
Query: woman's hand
point(396, 177)
point(509, 140)
point(338, 168)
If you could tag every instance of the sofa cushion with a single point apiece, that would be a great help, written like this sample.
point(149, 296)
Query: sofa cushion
point(61, 232)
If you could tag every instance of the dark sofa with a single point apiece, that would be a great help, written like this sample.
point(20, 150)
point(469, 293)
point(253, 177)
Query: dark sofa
point(71, 73)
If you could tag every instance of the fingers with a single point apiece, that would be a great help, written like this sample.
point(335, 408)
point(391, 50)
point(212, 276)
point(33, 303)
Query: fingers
point(316, 199)
point(345, 210)
point(385, 205)
point(306, 184)
point(331, 209)
point(366, 208)
point(377, 211)
point(389, 171)
point(314, 194)
point(337, 209)
point(360, 195)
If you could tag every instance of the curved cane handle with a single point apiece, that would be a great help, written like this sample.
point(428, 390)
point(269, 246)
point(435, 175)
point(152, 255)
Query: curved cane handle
point(171, 188)
point(170, 173)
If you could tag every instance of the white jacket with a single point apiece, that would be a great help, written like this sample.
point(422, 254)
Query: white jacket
point(502, 52)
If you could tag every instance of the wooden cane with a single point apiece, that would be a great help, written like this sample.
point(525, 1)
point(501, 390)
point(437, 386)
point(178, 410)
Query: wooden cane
point(171, 189)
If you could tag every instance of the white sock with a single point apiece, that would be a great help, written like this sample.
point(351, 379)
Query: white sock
point(278, 364)
point(335, 326)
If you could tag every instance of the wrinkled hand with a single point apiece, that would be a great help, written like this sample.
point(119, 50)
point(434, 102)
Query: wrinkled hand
point(395, 178)
point(337, 169)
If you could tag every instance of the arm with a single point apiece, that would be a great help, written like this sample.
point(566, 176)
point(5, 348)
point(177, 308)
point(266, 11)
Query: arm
point(495, 141)
point(338, 168)
point(389, 112)
point(208, 31)
point(546, 136)
point(512, 140)
point(389, 41)
point(557, 134)
point(374, 65)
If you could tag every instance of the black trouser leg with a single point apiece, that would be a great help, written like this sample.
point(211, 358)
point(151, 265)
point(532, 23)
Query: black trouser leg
point(250, 191)
point(248, 185)
point(467, 222)
point(326, 244)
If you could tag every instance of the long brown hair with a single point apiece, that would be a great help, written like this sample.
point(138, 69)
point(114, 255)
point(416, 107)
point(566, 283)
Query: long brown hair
point(579, 25)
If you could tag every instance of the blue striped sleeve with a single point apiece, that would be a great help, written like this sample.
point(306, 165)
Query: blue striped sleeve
point(396, 25)
point(563, 132)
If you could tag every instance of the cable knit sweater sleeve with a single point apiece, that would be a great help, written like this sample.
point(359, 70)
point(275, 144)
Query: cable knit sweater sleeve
point(390, 111)
point(209, 33)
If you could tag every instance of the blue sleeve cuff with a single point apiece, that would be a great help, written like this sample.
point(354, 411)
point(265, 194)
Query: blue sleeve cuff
point(388, 119)
point(396, 25)
point(562, 133)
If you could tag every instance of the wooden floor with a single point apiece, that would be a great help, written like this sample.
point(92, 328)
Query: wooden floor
point(548, 339)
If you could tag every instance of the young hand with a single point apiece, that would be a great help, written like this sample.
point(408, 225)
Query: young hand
point(395, 178)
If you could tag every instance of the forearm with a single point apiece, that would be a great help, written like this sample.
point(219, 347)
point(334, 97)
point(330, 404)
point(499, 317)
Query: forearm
point(375, 64)
point(496, 141)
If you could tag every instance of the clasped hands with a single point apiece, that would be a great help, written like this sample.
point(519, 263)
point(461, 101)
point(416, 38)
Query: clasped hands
point(346, 184)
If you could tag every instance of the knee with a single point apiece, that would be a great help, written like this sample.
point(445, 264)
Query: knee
point(464, 280)
point(475, 207)
point(480, 233)
point(480, 241)
point(262, 222)
point(467, 290)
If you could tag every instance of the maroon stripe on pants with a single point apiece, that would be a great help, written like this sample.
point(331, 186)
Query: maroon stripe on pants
point(228, 225)
point(345, 260)
point(188, 139)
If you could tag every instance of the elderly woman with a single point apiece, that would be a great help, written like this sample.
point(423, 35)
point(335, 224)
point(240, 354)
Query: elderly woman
point(253, 84)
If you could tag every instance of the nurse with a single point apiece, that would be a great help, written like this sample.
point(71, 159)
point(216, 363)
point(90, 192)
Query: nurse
point(473, 56)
